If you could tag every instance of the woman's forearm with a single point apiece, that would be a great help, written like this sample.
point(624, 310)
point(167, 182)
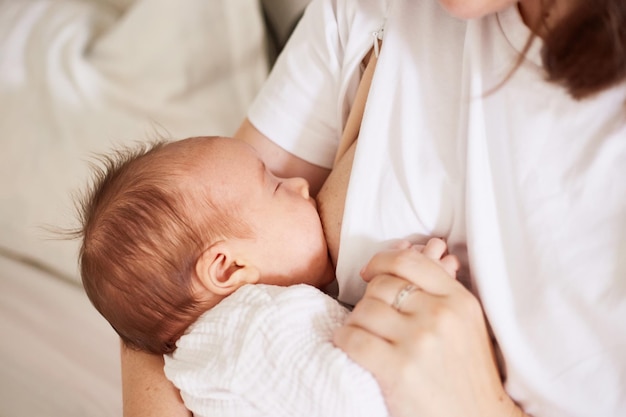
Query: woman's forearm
point(146, 392)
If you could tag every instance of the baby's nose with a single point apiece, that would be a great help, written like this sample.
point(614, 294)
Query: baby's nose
point(299, 185)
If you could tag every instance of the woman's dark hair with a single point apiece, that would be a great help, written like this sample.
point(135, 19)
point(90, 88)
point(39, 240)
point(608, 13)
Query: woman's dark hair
point(586, 50)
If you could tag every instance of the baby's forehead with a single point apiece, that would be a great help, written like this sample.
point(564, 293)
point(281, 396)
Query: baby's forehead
point(219, 148)
point(196, 159)
point(205, 146)
point(183, 154)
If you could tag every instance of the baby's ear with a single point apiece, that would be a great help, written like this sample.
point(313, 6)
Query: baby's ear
point(219, 271)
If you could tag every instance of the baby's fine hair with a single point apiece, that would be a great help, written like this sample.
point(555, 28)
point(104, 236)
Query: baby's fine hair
point(142, 232)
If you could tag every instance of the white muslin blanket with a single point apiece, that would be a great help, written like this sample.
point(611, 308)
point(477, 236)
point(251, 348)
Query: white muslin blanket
point(267, 351)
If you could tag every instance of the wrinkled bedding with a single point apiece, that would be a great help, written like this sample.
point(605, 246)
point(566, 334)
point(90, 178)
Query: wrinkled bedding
point(77, 77)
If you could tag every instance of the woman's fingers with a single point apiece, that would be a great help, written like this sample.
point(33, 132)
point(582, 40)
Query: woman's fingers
point(378, 317)
point(393, 292)
point(385, 287)
point(435, 249)
point(416, 267)
point(451, 264)
point(366, 349)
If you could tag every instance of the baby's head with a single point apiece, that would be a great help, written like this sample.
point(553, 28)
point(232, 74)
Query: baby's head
point(170, 229)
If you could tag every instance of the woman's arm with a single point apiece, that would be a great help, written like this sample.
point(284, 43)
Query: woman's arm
point(281, 162)
point(145, 390)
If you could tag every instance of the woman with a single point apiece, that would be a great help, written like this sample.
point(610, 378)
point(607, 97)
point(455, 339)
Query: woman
point(503, 133)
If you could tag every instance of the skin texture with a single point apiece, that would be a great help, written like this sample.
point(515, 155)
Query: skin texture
point(145, 390)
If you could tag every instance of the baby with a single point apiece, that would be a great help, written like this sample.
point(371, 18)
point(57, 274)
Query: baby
point(174, 234)
point(171, 230)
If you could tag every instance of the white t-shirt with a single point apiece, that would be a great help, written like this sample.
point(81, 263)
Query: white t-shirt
point(527, 184)
point(266, 351)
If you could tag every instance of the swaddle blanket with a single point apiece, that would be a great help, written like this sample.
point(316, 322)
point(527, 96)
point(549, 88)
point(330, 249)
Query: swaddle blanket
point(267, 351)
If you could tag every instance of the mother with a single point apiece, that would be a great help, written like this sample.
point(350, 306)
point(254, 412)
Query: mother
point(504, 132)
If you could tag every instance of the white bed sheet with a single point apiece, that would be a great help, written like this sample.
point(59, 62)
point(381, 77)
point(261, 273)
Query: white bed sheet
point(58, 357)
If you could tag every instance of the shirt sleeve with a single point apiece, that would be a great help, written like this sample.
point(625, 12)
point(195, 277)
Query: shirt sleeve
point(298, 106)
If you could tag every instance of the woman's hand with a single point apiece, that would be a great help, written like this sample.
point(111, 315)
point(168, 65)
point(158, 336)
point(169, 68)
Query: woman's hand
point(423, 336)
